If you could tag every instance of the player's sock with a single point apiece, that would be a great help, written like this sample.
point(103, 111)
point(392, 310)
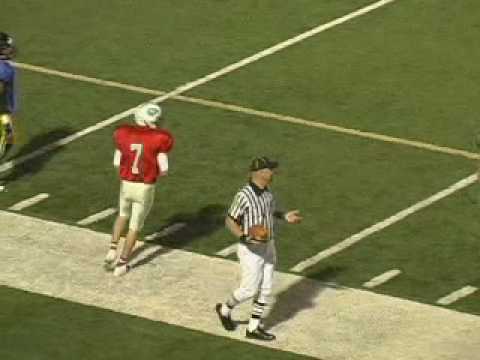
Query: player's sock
point(122, 267)
point(256, 318)
point(112, 253)
point(228, 306)
point(8, 138)
point(122, 261)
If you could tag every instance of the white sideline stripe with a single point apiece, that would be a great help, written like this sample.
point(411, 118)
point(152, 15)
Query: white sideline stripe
point(259, 113)
point(207, 78)
point(228, 250)
point(88, 79)
point(457, 295)
point(381, 279)
point(301, 266)
point(97, 217)
point(165, 232)
point(29, 202)
point(310, 326)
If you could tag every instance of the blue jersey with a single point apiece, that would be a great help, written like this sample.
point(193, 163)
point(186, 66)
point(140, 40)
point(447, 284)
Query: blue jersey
point(8, 102)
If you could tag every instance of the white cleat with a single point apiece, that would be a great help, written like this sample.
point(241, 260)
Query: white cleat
point(111, 256)
point(121, 270)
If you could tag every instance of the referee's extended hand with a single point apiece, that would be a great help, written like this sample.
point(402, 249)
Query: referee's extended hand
point(293, 217)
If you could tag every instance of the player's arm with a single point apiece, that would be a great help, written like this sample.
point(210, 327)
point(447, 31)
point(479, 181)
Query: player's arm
point(234, 214)
point(291, 217)
point(232, 220)
point(7, 87)
point(162, 161)
point(233, 227)
point(117, 156)
point(4, 78)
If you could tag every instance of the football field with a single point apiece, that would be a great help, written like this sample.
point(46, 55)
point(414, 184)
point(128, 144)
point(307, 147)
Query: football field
point(370, 108)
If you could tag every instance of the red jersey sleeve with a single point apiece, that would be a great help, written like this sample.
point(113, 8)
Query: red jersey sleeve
point(165, 141)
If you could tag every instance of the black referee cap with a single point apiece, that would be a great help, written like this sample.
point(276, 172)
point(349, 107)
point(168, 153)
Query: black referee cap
point(263, 162)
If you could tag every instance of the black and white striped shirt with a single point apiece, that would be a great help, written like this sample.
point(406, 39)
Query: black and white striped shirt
point(253, 206)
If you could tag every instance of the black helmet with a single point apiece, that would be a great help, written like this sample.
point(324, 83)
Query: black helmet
point(7, 48)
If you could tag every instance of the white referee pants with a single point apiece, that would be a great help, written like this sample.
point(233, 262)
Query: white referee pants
point(257, 263)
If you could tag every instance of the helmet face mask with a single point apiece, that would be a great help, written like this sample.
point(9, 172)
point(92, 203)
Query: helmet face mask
point(148, 115)
point(7, 47)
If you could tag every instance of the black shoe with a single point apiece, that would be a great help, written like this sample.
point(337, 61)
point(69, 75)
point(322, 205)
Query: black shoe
point(260, 334)
point(226, 321)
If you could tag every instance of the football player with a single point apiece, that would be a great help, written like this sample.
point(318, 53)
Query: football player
point(8, 104)
point(141, 155)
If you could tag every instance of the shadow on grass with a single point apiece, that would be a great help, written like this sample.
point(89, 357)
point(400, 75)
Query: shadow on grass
point(190, 227)
point(301, 295)
point(36, 164)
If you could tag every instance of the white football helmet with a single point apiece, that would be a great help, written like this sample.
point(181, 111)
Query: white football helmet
point(148, 115)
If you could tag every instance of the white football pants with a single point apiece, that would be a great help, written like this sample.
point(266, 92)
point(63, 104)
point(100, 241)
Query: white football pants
point(257, 263)
point(136, 200)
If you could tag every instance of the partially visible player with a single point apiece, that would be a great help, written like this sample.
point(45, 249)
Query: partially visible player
point(8, 104)
point(141, 154)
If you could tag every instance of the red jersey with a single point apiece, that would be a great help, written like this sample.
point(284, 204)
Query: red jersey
point(140, 146)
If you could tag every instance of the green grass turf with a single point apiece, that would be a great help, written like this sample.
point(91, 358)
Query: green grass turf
point(39, 327)
point(341, 183)
point(436, 250)
point(407, 69)
point(52, 108)
point(157, 43)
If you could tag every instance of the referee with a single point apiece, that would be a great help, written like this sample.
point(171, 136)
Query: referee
point(253, 205)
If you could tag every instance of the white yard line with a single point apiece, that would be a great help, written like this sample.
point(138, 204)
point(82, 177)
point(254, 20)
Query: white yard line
point(29, 202)
point(97, 217)
point(273, 49)
point(165, 232)
point(382, 279)
point(66, 140)
point(352, 240)
point(203, 80)
point(87, 79)
point(258, 113)
point(330, 127)
point(457, 295)
point(228, 250)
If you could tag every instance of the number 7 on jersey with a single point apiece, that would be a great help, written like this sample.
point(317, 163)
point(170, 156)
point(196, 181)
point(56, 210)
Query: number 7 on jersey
point(138, 148)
